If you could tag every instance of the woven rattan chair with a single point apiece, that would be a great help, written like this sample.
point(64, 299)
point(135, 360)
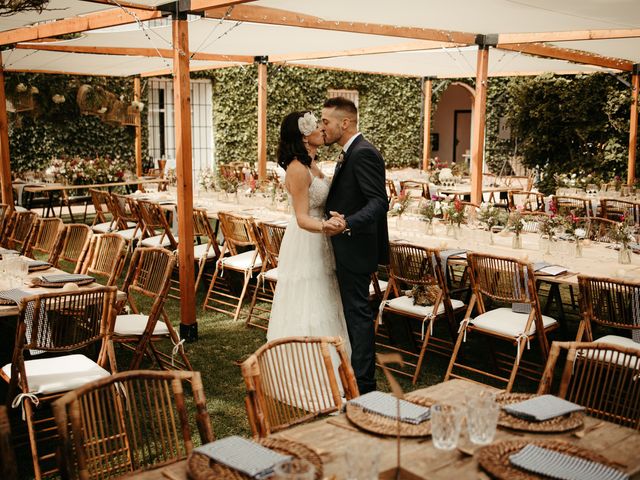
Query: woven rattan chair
point(392, 192)
point(105, 257)
point(416, 189)
point(130, 422)
point(601, 377)
point(509, 281)
point(531, 201)
point(296, 379)
point(414, 266)
point(5, 213)
point(615, 209)
point(127, 222)
point(79, 196)
point(101, 222)
point(245, 258)
point(271, 235)
point(579, 206)
point(73, 247)
point(46, 238)
point(18, 229)
point(611, 304)
point(61, 324)
point(148, 280)
point(156, 231)
point(8, 464)
point(599, 229)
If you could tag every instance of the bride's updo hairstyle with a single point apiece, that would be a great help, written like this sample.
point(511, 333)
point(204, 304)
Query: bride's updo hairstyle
point(291, 146)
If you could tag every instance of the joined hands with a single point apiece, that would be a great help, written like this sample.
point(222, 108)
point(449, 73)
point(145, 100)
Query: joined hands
point(335, 225)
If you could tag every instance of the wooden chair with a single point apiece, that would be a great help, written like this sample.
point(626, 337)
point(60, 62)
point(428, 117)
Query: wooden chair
point(101, 222)
point(293, 380)
point(127, 223)
point(148, 280)
point(271, 237)
point(579, 206)
point(601, 377)
point(614, 209)
point(60, 324)
point(8, 464)
point(79, 196)
point(599, 229)
point(245, 258)
point(392, 192)
point(105, 257)
point(533, 220)
point(73, 245)
point(45, 238)
point(509, 281)
point(612, 304)
point(130, 422)
point(414, 266)
point(531, 201)
point(5, 213)
point(18, 229)
point(156, 231)
point(416, 189)
point(520, 182)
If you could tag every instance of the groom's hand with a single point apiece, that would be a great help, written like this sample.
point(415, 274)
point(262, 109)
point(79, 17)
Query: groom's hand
point(335, 225)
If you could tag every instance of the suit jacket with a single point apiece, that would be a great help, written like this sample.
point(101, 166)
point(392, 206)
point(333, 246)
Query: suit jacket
point(358, 191)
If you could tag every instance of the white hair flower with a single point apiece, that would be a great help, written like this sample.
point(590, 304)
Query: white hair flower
point(307, 123)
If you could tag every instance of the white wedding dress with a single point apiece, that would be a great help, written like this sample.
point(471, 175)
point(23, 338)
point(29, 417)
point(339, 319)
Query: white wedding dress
point(307, 297)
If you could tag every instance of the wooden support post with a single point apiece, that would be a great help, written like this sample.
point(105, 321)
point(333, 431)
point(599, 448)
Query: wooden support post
point(478, 123)
point(426, 149)
point(5, 161)
point(262, 117)
point(138, 127)
point(633, 126)
point(182, 106)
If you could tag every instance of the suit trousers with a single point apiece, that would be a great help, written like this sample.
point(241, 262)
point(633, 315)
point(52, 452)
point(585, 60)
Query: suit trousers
point(354, 290)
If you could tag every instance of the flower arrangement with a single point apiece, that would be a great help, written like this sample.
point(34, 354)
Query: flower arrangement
point(430, 209)
point(401, 204)
point(516, 222)
point(21, 88)
point(574, 227)
point(548, 226)
point(491, 216)
point(85, 171)
point(207, 179)
point(623, 232)
point(455, 212)
point(228, 182)
point(251, 185)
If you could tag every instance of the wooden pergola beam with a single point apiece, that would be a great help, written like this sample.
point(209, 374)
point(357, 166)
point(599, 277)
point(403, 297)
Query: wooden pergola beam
point(5, 161)
point(575, 56)
point(169, 71)
point(137, 95)
point(262, 120)
point(426, 148)
point(92, 21)
point(273, 16)
point(195, 5)
point(633, 128)
point(478, 125)
point(577, 35)
point(132, 51)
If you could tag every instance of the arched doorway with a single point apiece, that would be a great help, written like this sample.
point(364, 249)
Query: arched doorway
point(452, 124)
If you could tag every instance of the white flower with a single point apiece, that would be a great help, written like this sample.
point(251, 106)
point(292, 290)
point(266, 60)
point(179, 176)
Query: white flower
point(397, 207)
point(137, 105)
point(34, 90)
point(102, 110)
point(580, 233)
point(21, 87)
point(446, 173)
point(57, 98)
point(307, 124)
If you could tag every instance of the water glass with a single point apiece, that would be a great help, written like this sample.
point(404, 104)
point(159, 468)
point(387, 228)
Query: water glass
point(295, 469)
point(445, 425)
point(482, 417)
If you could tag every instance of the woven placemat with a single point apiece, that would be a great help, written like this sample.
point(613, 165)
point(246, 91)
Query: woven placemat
point(558, 424)
point(39, 282)
point(388, 426)
point(201, 467)
point(495, 458)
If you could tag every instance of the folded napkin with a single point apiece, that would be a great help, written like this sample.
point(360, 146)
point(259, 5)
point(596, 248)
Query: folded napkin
point(37, 263)
point(66, 278)
point(243, 455)
point(541, 408)
point(561, 466)
point(548, 269)
point(385, 404)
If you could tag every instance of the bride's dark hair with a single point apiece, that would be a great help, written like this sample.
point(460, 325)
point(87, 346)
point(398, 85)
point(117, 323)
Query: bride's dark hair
point(291, 146)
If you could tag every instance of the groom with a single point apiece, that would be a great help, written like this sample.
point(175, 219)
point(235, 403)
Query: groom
point(357, 204)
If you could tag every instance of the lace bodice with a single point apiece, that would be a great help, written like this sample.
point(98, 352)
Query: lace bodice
point(318, 192)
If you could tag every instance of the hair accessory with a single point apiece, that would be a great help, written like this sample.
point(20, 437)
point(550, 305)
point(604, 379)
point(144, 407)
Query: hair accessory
point(307, 123)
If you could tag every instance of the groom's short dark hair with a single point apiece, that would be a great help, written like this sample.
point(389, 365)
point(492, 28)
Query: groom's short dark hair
point(341, 103)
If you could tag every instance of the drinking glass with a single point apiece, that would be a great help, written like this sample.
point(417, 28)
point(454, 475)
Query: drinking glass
point(445, 425)
point(482, 417)
point(295, 469)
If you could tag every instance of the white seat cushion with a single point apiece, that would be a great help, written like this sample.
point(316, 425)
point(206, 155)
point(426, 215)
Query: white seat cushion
point(157, 241)
point(381, 283)
point(405, 304)
point(60, 374)
point(243, 261)
point(271, 275)
point(102, 227)
point(199, 251)
point(129, 233)
point(506, 322)
point(618, 358)
point(135, 324)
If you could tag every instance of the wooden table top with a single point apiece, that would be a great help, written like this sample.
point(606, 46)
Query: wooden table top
point(330, 436)
point(52, 187)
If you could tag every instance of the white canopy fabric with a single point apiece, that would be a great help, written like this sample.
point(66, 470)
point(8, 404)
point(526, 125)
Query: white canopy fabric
point(56, 10)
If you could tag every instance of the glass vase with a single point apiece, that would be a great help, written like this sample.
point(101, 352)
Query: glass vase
point(399, 222)
point(453, 230)
point(429, 228)
point(578, 251)
point(624, 255)
point(516, 242)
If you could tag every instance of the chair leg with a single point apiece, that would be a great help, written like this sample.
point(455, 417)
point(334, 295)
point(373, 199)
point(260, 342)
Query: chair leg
point(28, 412)
point(427, 335)
point(454, 355)
point(522, 344)
point(247, 278)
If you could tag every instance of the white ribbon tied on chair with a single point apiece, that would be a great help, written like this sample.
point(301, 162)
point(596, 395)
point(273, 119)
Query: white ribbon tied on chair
point(380, 310)
point(18, 401)
point(518, 339)
point(463, 328)
point(429, 317)
point(176, 349)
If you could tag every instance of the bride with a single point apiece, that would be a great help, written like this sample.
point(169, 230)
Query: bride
point(307, 298)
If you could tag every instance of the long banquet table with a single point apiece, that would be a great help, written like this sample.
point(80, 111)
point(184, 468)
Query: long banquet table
point(330, 436)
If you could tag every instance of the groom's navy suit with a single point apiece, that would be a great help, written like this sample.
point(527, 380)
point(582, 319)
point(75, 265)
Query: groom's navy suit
point(358, 192)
